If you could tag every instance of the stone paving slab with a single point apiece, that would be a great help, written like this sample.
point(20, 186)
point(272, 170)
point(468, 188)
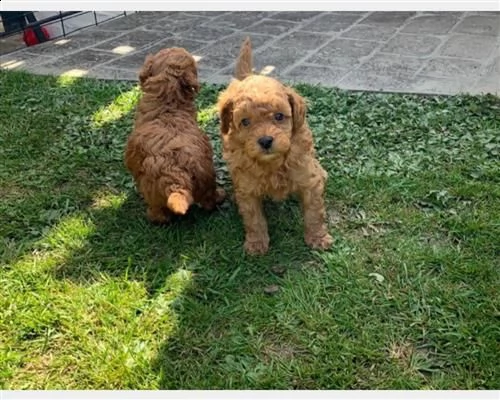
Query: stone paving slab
point(413, 52)
point(394, 19)
point(439, 24)
point(412, 45)
point(369, 32)
point(470, 46)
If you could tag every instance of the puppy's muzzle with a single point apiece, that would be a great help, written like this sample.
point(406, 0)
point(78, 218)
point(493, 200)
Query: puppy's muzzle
point(265, 142)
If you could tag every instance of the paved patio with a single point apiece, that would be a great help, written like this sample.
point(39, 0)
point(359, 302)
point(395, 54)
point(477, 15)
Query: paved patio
point(416, 52)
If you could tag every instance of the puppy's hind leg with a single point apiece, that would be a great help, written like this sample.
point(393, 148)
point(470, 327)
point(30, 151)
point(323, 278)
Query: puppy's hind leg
point(212, 198)
point(209, 195)
point(158, 215)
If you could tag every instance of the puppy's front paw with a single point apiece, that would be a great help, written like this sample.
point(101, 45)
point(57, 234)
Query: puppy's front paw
point(319, 242)
point(256, 247)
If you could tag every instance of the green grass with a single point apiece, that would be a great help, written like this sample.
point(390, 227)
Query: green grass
point(93, 296)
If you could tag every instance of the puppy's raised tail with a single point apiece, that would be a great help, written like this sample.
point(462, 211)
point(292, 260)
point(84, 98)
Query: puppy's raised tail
point(179, 202)
point(244, 63)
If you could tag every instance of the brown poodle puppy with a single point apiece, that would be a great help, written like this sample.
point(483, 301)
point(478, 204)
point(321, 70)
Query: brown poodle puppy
point(269, 151)
point(168, 155)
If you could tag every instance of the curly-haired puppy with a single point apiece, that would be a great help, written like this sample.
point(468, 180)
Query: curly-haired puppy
point(269, 151)
point(168, 155)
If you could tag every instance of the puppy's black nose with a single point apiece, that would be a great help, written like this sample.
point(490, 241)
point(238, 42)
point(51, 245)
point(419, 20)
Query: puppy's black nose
point(265, 142)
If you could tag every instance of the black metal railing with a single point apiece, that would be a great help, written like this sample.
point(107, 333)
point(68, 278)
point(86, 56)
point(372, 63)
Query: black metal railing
point(35, 31)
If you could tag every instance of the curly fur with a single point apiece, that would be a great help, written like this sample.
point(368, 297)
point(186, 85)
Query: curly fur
point(288, 167)
point(168, 155)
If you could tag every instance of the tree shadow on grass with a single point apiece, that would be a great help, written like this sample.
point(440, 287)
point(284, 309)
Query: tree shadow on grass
point(232, 325)
point(49, 166)
point(225, 296)
point(123, 241)
point(75, 172)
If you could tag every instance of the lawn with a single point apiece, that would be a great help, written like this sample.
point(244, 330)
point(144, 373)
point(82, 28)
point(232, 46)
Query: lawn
point(93, 296)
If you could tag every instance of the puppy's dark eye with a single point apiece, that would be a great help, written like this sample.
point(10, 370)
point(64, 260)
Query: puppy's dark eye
point(245, 122)
point(279, 117)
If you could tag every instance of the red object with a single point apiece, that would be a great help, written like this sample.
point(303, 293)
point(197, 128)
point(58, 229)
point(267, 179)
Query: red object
point(30, 38)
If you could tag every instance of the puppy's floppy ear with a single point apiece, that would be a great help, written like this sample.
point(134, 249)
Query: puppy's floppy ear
point(146, 70)
point(298, 109)
point(189, 82)
point(226, 116)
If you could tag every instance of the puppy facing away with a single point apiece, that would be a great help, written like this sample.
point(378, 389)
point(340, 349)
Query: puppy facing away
point(168, 155)
point(269, 151)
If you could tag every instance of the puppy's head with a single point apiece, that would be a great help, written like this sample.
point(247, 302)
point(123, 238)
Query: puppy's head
point(170, 70)
point(261, 116)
